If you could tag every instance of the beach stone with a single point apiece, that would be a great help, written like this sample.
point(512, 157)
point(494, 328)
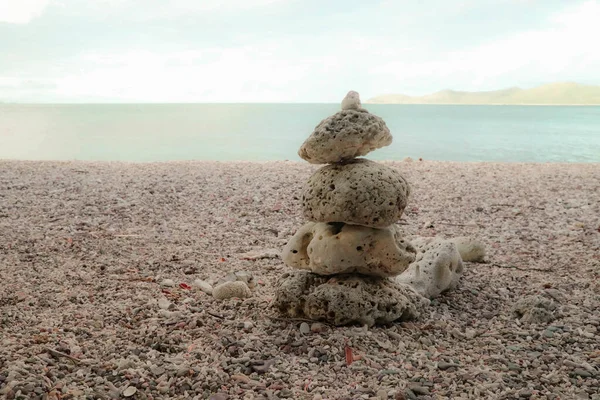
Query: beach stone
point(243, 276)
point(346, 299)
point(335, 248)
point(351, 101)
point(359, 192)
point(228, 290)
point(535, 310)
point(436, 269)
point(203, 286)
point(168, 283)
point(470, 249)
point(345, 135)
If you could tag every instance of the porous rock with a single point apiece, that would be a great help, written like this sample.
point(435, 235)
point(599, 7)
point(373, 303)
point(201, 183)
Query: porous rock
point(228, 290)
point(359, 192)
point(335, 248)
point(535, 310)
point(470, 249)
point(436, 269)
point(346, 299)
point(345, 135)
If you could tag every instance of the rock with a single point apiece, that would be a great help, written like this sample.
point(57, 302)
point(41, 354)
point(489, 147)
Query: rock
point(246, 277)
point(242, 276)
point(248, 325)
point(129, 391)
point(228, 290)
point(163, 303)
point(336, 248)
point(317, 327)
point(346, 299)
point(168, 283)
point(437, 267)
point(352, 101)
point(535, 309)
point(359, 192)
point(304, 328)
point(471, 250)
point(203, 286)
point(443, 365)
point(345, 135)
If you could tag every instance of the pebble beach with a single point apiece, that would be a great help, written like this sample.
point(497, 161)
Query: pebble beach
point(100, 264)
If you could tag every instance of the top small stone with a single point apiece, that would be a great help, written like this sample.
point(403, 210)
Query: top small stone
point(350, 133)
point(351, 101)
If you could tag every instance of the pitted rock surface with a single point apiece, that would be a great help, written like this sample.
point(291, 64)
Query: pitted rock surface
point(359, 192)
point(335, 248)
point(437, 268)
point(536, 310)
point(346, 299)
point(345, 135)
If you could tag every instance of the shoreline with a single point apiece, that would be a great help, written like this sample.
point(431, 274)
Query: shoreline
point(85, 247)
point(175, 162)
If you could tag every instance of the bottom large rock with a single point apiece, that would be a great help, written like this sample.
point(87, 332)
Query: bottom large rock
point(346, 299)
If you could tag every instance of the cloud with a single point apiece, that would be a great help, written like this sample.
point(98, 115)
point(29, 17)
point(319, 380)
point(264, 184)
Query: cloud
point(215, 75)
point(21, 11)
point(562, 51)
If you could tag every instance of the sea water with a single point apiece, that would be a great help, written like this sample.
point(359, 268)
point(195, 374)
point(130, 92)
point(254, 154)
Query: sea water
point(261, 132)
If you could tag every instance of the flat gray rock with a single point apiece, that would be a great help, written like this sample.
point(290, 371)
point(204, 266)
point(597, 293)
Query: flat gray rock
point(336, 248)
point(348, 134)
point(359, 192)
point(346, 299)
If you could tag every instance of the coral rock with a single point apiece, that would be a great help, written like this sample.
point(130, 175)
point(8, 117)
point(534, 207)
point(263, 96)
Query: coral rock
point(437, 268)
point(345, 135)
point(471, 250)
point(360, 192)
point(228, 290)
point(346, 299)
point(335, 248)
point(351, 101)
point(535, 310)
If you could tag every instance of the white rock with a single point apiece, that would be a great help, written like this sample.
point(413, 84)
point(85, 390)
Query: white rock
point(130, 391)
point(168, 283)
point(163, 303)
point(437, 268)
point(471, 250)
point(203, 286)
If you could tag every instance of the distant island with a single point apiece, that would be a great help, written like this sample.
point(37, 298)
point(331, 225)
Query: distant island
point(562, 93)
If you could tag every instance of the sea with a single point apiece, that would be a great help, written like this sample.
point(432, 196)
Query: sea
point(264, 132)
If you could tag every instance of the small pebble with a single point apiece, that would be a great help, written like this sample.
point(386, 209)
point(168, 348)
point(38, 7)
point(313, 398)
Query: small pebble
point(130, 391)
point(203, 286)
point(168, 283)
point(304, 328)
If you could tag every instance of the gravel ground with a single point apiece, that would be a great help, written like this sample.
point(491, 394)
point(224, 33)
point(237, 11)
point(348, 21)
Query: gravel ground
point(89, 251)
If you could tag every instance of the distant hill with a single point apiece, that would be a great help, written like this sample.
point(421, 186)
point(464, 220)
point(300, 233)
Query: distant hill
point(563, 93)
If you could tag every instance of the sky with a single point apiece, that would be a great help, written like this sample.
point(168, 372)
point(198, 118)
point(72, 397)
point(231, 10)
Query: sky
point(288, 50)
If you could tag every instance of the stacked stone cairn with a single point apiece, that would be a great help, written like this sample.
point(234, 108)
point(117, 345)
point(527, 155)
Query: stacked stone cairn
point(352, 262)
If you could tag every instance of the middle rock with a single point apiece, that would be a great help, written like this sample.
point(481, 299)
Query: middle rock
point(359, 192)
